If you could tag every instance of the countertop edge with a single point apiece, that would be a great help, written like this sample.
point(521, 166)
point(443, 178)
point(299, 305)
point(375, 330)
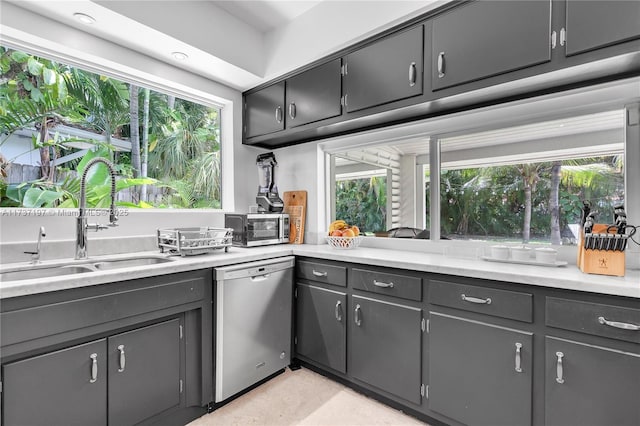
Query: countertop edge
point(565, 277)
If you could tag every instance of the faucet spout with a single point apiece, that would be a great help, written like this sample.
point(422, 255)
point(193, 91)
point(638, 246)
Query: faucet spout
point(35, 255)
point(81, 221)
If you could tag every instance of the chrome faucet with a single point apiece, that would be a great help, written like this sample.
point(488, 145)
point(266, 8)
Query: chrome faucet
point(81, 222)
point(35, 255)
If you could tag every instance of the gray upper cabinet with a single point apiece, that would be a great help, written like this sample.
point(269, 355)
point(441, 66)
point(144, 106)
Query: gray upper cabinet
point(314, 94)
point(144, 372)
point(388, 70)
point(321, 331)
point(578, 372)
point(486, 38)
point(480, 374)
point(264, 111)
point(596, 24)
point(65, 387)
point(385, 341)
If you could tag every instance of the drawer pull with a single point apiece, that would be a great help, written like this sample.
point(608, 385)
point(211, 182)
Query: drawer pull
point(616, 324)
point(319, 274)
point(122, 359)
point(518, 357)
point(356, 317)
point(382, 284)
point(477, 300)
point(559, 371)
point(94, 368)
point(338, 311)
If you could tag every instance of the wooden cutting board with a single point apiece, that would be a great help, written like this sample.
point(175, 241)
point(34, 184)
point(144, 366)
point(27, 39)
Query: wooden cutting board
point(295, 204)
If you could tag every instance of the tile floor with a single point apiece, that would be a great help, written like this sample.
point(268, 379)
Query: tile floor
point(303, 397)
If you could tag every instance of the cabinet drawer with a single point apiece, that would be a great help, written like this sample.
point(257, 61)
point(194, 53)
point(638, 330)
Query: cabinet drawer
point(404, 286)
point(322, 272)
point(490, 301)
point(615, 322)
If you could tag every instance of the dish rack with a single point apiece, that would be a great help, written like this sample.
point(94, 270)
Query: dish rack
point(191, 241)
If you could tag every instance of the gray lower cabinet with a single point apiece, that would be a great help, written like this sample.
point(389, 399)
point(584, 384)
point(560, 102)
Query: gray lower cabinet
point(321, 332)
point(385, 341)
point(144, 366)
point(593, 25)
point(590, 385)
point(65, 387)
point(385, 71)
point(479, 373)
point(486, 38)
point(125, 378)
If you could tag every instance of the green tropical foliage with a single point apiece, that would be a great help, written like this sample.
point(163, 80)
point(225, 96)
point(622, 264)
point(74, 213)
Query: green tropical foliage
point(363, 202)
point(179, 147)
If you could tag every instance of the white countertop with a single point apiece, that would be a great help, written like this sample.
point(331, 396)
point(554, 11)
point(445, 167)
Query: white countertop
point(564, 277)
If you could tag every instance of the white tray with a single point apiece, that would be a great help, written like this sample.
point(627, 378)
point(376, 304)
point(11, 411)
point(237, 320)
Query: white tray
point(525, 262)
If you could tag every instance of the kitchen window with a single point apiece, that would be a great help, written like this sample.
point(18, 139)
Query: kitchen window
point(56, 117)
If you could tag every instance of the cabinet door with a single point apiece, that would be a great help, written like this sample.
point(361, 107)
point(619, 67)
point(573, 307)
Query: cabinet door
point(314, 94)
point(264, 111)
point(66, 387)
point(144, 372)
point(579, 372)
point(486, 38)
point(384, 346)
point(479, 373)
point(386, 71)
point(321, 331)
point(595, 24)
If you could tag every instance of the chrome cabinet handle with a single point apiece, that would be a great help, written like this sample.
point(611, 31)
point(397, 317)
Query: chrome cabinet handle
point(616, 324)
point(440, 64)
point(338, 311)
point(357, 319)
point(94, 368)
point(559, 371)
point(122, 358)
point(554, 37)
point(470, 299)
point(518, 357)
point(563, 36)
point(279, 114)
point(319, 274)
point(292, 110)
point(382, 284)
point(412, 74)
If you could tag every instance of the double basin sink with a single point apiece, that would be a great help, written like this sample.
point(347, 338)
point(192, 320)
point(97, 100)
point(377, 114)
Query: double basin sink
point(72, 267)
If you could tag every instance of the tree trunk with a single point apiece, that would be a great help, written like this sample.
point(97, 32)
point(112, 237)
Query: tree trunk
point(45, 157)
point(554, 202)
point(526, 226)
point(134, 129)
point(171, 101)
point(145, 144)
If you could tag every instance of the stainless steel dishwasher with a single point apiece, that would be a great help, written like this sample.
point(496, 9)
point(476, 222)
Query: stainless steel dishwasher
point(253, 304)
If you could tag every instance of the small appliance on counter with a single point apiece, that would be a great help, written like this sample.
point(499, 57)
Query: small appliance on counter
point(258, 229)
point(268, 199)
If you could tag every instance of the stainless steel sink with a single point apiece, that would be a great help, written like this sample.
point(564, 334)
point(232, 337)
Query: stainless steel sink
point(72, 267)
point(44, 272)
point(129, 262)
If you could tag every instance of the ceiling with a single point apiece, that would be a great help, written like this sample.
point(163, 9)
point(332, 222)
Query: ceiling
point(238, 43)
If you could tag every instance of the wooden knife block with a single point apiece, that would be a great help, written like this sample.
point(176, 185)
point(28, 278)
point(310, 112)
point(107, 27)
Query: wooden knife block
point(601, 262)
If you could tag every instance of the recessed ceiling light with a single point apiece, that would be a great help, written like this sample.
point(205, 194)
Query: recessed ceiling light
point(84, 18)
point(179, 56)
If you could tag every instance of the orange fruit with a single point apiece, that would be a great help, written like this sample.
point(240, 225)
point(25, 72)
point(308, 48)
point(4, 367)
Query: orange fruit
point(355, 230)
point(348, 233)
point(336, 233)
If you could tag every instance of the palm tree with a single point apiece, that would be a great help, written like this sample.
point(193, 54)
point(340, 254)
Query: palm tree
point(530, 177)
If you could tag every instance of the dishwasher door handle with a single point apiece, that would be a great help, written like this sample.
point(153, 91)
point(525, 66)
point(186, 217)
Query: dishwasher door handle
point(257, 278)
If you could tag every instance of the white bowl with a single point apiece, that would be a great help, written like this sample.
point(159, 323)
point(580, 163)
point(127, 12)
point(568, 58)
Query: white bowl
point(520, 253)
point(546, 255)
point(500, 252)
